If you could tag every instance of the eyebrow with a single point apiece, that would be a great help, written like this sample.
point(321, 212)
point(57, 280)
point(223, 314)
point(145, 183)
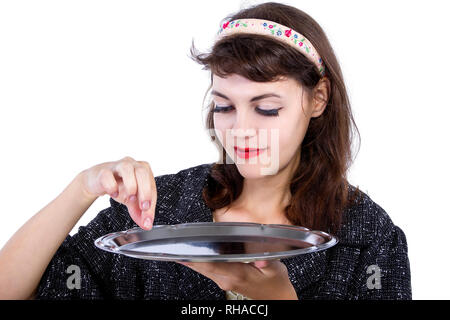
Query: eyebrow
point(263, 96)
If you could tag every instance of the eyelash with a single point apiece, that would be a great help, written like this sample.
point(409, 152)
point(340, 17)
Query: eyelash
point(267, 113)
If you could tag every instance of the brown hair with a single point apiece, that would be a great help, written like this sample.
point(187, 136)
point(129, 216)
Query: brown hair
point(320, 189)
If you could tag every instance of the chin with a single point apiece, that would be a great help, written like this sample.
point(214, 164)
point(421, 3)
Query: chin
point(257, 167)
point(255, 171)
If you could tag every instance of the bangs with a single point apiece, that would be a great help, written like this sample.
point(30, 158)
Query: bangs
point(257, 58)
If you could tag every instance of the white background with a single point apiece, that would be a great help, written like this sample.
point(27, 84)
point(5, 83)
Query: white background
point(84, 82)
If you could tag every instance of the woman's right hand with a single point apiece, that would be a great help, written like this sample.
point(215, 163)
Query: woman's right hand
point(129, 182)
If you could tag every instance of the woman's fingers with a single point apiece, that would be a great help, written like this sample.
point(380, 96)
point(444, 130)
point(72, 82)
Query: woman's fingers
point(136, 189)
point(126, 171)
point(107, 182)
point(146, 192)
point(129, 182)
point(133, 209)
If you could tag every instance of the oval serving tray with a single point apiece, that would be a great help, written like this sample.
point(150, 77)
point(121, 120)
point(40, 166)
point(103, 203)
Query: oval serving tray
point(216, 242)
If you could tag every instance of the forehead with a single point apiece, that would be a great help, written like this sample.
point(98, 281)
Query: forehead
point(235, 82)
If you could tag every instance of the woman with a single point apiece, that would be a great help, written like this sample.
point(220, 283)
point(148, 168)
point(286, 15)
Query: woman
point(281, 117)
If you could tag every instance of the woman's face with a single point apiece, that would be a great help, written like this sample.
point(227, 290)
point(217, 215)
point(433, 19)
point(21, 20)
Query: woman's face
point(269, 116)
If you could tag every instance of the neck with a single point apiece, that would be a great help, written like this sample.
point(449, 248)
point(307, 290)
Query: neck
point(265, 198)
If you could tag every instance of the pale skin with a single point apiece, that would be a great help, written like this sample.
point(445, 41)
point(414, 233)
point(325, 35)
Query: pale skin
point(134, 183)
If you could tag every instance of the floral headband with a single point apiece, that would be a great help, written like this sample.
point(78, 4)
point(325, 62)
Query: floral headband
point(283, 33)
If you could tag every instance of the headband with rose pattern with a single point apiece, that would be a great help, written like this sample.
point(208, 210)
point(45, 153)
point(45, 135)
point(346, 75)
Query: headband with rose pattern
point(273, 29)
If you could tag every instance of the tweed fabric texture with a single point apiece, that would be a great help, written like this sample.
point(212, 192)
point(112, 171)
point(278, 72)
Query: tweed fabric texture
point(368, 237)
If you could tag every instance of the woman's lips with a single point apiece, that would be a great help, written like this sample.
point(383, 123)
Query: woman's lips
point(246, 153)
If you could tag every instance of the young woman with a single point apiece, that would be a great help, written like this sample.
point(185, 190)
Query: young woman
point(281, 118)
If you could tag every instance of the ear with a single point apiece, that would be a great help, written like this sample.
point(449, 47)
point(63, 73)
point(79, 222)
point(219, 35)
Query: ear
point(321, 95)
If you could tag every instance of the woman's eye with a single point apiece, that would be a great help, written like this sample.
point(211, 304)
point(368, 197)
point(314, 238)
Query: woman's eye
point(222, 109)
point(269, 113)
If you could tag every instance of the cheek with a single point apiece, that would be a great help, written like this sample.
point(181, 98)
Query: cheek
point(291, 132)
point(221, 124)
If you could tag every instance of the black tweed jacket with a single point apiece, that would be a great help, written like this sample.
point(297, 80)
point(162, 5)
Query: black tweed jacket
point(367, 240)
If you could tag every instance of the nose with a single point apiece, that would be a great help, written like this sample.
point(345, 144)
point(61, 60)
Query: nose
point(243, 126)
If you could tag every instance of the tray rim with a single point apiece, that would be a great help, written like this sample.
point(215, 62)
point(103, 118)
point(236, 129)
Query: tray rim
point(100, 243)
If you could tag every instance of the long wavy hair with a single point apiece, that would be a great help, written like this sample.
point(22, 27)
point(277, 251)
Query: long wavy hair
point(319, 187)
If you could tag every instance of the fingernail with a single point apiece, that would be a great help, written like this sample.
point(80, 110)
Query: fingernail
point(115, 194)
point(132, 198)
point(147, 223)
point(145, 205)
point(261, 264)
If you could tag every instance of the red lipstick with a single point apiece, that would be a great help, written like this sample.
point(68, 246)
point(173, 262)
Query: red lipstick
point(246, 153)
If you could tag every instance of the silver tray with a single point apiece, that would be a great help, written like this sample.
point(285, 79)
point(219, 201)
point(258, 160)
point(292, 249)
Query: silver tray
point(216, 241)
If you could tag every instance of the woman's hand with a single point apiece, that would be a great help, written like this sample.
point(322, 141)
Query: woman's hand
point(129, 182)
point(259, 280)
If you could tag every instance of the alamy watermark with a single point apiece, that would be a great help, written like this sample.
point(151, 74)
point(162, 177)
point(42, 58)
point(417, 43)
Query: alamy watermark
point(374, 281)
point(270, 161)
point(74, 280)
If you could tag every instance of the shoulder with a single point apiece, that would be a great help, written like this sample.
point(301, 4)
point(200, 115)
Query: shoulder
point(186, 181)
point(365, 222)
point(191, 174)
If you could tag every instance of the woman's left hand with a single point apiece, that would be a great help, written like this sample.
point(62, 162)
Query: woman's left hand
point(259, 280)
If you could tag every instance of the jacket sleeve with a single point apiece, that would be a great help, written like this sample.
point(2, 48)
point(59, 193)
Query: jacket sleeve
point(78, 269)
point(384, 270)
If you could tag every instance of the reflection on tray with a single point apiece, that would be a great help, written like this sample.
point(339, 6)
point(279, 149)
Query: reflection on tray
point(216, 245)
